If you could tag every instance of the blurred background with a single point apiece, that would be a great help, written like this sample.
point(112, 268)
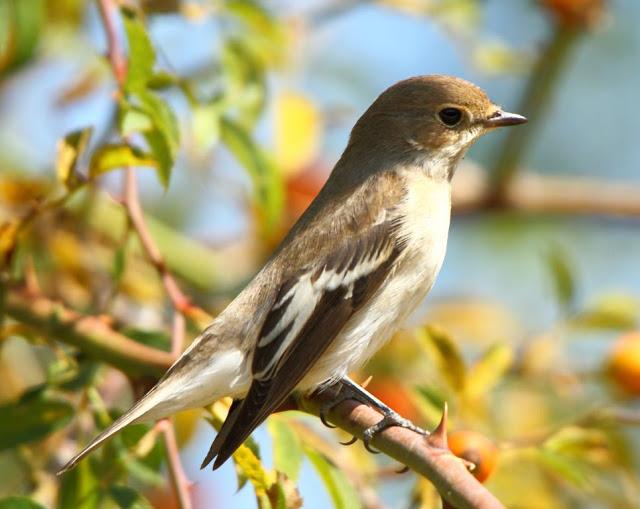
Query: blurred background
point(233, 113)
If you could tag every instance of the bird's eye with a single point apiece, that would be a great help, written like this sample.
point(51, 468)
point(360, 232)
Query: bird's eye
point(450, 116)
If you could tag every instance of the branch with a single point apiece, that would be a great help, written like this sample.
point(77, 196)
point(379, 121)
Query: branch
point(97, 339)
point(543, 80)
point(176, 472)
point(428, 457)
point(90, 334)
point(134, 211)
point(203, 267)
point(540, 194)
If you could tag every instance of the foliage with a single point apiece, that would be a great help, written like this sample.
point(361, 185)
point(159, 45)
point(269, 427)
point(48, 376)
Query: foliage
point(565, 435)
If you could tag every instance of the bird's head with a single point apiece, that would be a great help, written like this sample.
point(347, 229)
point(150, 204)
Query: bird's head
point(431, 120)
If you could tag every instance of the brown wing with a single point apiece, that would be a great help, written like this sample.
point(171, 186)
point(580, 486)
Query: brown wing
point(309, 312)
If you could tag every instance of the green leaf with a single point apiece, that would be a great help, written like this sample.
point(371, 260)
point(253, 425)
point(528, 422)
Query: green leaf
point(255, 17)
point(266, 179)
point(161, 132)
point(141, 53)
point(161, 80)
point(131, 120)
point(162, 118)
point(19, 503)
point(566, 467)
point(430, 402)
point(119, 262)
point(562, 275)
point(113, 156)
point(128, 498)
point(344, 496)
point(449, 358)
point(577, 441)
point(164, 138)
point(162, 153)
point(80, 488)
point(245, 86)
point(287, 449)
point(70, 150)
point(21, 27)
point(156, 338)
point(30, 420)
point(206, 125)
point(81, 377)
point(614, 312)
point(260, 30)
point(489, 370)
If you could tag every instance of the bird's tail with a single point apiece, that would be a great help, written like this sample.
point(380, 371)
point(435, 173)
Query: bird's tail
point(145, 409)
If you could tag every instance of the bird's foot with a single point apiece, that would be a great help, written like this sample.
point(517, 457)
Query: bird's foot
point(388, 420)
point(339, 396)
point(348, 390)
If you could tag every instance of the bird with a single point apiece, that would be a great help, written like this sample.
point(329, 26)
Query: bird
point(358, 261)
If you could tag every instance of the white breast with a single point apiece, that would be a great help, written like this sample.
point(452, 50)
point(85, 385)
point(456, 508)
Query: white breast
point(426, 211)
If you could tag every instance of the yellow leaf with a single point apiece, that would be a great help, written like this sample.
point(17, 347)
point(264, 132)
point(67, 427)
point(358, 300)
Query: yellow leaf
point(8, 238)
point(185, 424)
point(20, 191)
point(449, 357)
point(297, 132)
point(488, 370)
point(70, 149)
point(111, 157)
point(246, 461)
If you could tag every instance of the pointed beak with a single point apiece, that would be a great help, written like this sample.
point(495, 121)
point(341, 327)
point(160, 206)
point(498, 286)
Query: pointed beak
point(503, 119)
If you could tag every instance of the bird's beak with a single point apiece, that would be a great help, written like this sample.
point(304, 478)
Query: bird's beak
point(503, 118)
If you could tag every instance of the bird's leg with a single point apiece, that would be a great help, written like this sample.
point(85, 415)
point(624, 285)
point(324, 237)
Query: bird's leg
point(348, 389)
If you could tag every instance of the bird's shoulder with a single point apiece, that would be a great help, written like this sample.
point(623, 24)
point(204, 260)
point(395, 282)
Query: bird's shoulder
point(341, 219)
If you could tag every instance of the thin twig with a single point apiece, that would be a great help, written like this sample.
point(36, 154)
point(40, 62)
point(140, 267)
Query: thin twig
point(132, 203)
point(176, 472)
point(134, 211)
point(115, 53)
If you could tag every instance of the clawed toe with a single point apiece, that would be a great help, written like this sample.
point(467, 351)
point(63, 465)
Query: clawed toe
point(388, 421)
point(327, 407)
point(348, 390)
point(323, 415)
point(352, 440)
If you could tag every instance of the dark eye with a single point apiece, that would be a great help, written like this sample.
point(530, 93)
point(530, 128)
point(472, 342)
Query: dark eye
point(450, 116)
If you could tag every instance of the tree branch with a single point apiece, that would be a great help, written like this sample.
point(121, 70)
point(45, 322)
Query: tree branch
point(134, 211)
point(541, 194)
point(543, 80)
point(97, 339)
point(176, 472)
point(428, 457)
point(89, 334)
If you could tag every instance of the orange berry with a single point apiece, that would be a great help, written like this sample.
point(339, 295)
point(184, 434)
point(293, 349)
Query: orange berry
point(302, 188)
point(578, 13)
point(392, 393)
point(476, 448)
point(624, 362)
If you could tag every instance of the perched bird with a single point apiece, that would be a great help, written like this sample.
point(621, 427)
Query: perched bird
point(359, 260)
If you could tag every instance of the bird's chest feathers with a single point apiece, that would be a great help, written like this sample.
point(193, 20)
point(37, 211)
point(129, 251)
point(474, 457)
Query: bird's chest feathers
point(426, 212)
point(424, 218)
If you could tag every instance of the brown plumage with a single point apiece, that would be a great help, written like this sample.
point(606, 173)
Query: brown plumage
point(358, 261)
